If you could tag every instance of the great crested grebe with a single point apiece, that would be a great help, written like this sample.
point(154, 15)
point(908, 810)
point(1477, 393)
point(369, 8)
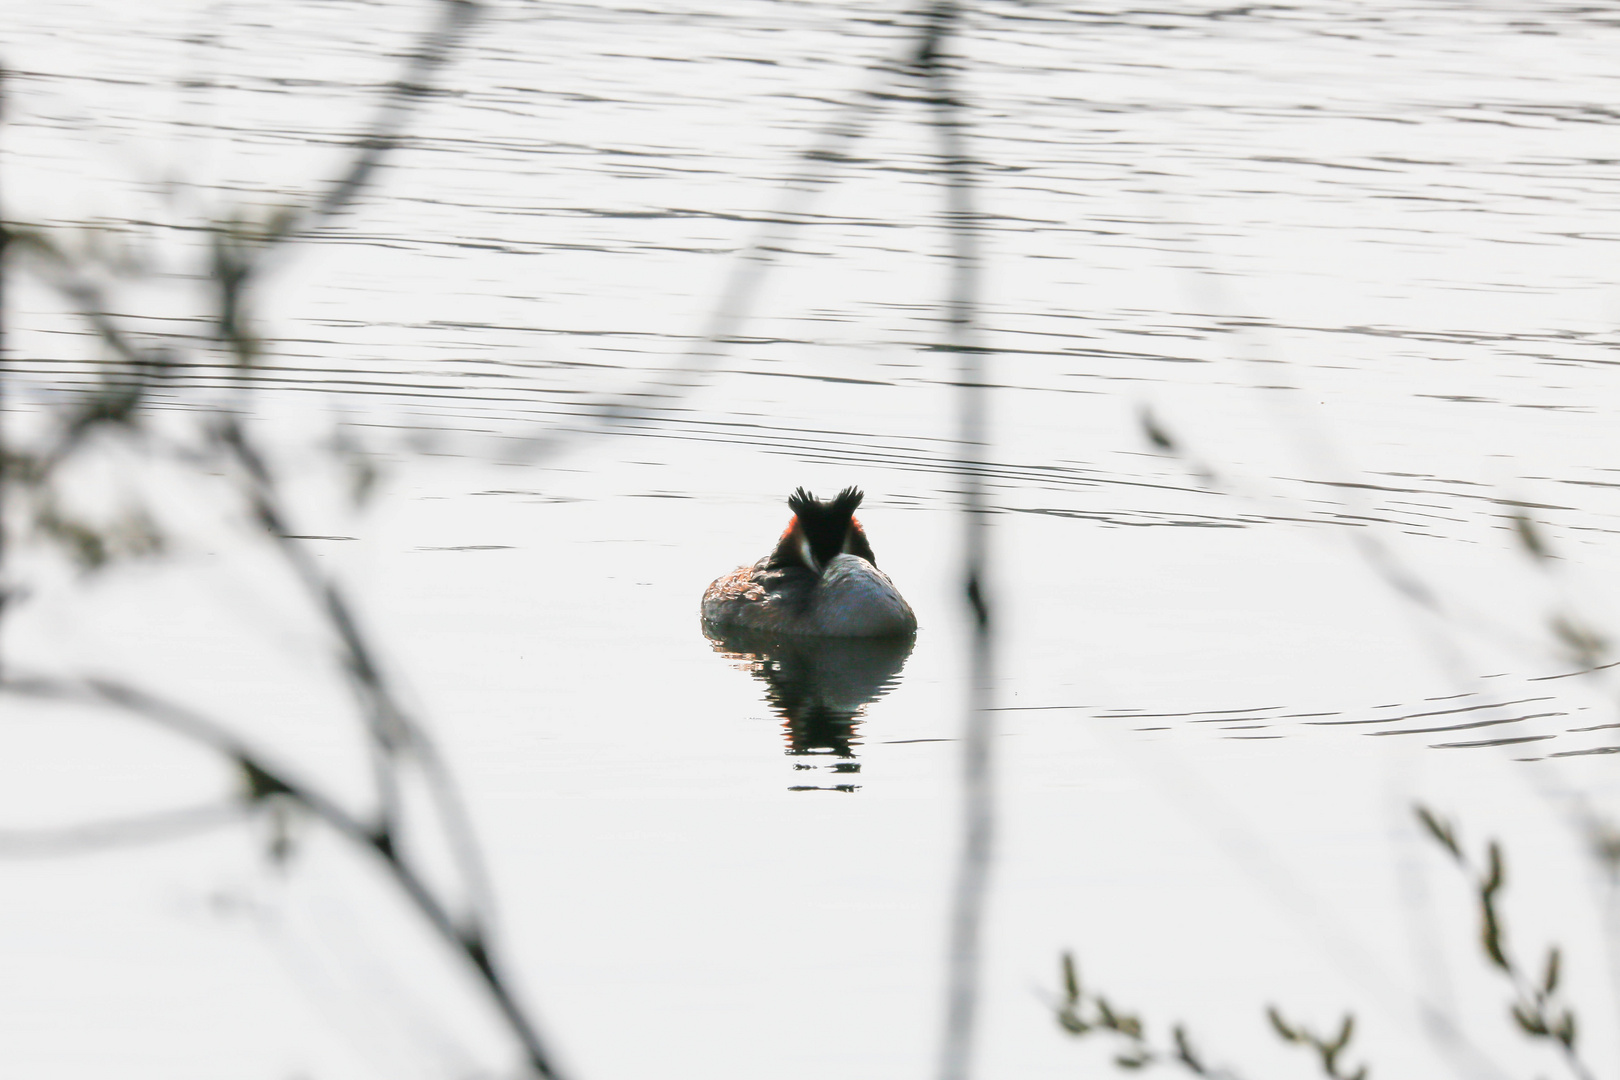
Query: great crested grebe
point(821, 581)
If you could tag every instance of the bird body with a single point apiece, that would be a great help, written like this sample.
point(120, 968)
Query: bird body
point(821, 580)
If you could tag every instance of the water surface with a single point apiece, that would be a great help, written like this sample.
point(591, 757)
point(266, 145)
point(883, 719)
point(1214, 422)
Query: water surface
point(1353, 262)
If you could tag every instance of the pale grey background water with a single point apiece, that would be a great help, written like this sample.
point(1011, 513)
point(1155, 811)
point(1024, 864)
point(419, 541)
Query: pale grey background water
point(1357, 258)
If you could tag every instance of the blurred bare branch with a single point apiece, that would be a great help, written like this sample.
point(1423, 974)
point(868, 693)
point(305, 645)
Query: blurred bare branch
point(151, 828)
point(5, 364)
point(267, 779)
point(239, 253)
point(936, 70)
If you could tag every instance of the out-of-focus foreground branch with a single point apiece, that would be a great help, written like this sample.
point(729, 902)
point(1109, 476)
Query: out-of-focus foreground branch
point(135, 365)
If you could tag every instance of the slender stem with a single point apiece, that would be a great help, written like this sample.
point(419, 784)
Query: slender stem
point(149, 828)
point(5, 239)
point(978, 790)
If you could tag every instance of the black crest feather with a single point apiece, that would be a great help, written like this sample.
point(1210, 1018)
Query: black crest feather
point(844, 504)
point(826, 524)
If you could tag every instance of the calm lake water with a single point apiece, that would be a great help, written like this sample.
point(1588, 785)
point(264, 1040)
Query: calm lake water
point(1356, 260)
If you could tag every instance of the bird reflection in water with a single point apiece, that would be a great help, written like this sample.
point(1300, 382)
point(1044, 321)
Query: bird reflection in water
point(820, 687)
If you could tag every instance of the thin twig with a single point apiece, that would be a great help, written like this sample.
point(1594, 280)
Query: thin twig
point(152, 828)
point(393, 731)
point(269, 777)
point(5, 455)
point(1081, 1012)
point(831, 146)
point(978, 795)
point(240, 256)
point(1540, 1010)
